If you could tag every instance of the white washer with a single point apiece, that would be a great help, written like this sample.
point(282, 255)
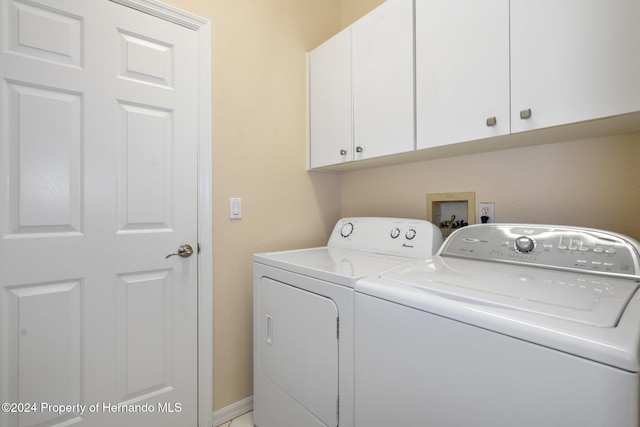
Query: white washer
point(508, 325)
point(303, 318)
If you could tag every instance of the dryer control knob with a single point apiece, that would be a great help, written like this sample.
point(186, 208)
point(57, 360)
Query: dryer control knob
point(410, 234)
point(346, 230)
point(525, 244)
point(395, 233)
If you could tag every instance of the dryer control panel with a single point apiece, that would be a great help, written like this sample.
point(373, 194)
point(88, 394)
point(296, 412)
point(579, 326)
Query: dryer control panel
point(558, 247)
point(412, 238)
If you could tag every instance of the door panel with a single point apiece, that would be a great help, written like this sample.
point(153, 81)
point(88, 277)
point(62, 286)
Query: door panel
point(42, 32)
point(44, 148)
point(146, 172)
point(145, 332)
point(145, 60)
point(98, 183)
point(46, 320)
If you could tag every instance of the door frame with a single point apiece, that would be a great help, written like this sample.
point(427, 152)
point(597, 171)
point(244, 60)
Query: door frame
point(202, 27)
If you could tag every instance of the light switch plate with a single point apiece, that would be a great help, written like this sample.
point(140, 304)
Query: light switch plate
point(235, 208)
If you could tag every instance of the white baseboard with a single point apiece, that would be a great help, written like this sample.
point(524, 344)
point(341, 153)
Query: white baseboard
point(232, 411)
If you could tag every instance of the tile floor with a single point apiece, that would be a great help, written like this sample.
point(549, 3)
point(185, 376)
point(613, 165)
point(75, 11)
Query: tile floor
point(245, 420)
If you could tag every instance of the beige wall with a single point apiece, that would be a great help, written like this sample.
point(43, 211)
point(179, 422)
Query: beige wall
point(588, 183)
point(259, 154)
point(352, 10)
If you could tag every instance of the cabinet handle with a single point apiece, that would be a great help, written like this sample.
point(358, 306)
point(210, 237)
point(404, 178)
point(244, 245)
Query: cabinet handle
point(525, 114)
point(343, 152)
point(358, 149)
point(491, 121)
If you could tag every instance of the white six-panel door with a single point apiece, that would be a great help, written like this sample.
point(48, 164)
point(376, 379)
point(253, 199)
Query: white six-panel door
point(98, 183)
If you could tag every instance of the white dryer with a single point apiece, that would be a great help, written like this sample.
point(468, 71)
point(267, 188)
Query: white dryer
point(508, 325)
point(303, 318)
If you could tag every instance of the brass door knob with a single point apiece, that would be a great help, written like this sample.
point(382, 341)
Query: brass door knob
point(184, 251)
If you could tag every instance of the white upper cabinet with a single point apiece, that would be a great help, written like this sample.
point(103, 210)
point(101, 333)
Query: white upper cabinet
point(462, 70)
point(383, 80)
point(573, 60)
point(330, 119)
point(477, 70)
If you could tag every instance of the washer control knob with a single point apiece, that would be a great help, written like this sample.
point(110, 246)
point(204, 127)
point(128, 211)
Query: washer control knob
point(395, 233)
point(346, 230)
point(410, 234)
point(525, 244)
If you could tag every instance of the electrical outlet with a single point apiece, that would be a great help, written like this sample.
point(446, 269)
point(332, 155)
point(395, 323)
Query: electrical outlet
point(486, 212)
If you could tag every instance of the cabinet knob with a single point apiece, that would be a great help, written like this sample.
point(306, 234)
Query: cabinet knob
point(358, 149)
point(343, 152)
point(491, 121)
point(525, 114)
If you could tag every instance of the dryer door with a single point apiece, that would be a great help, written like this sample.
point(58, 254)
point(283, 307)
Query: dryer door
point(299, 346)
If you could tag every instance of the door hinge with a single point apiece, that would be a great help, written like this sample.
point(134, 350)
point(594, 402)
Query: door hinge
point(337, 328)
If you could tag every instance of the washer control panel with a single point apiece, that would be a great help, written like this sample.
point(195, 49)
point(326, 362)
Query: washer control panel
point(411, 238)
point(559, 247)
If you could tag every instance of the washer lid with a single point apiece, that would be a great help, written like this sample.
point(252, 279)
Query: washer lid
point(575, 297)
point(335, 265)
point(587, 315)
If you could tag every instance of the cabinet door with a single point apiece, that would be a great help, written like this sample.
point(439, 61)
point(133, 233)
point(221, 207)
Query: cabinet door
point(462, 70)
point(383, 75)
point(573, 60)
point(330, 106)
